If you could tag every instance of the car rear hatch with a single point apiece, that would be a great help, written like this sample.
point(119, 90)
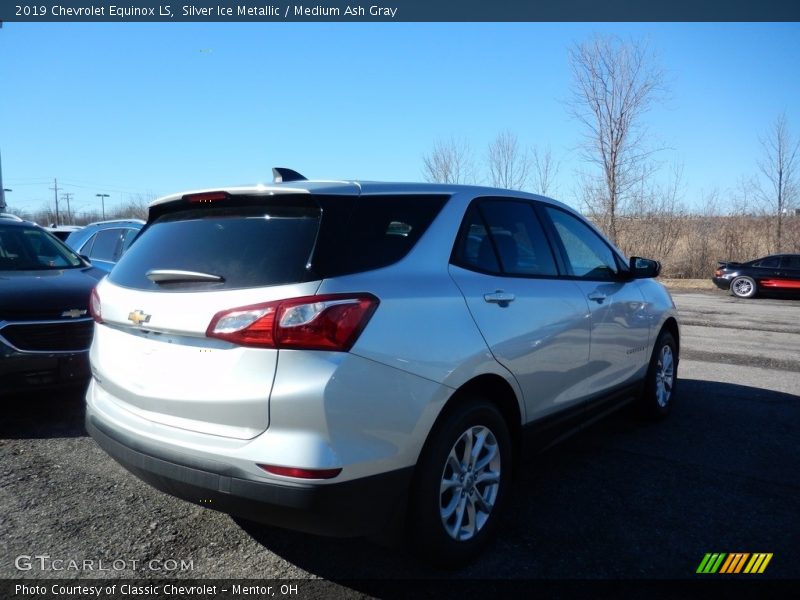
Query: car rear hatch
point(200, 255)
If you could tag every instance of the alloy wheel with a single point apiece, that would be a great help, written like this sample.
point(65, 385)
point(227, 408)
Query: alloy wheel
point(742, 287)
point(470, 483)
point(665, 373)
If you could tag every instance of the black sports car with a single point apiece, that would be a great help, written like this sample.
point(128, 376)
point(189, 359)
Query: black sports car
point(45, 327)
point(776, 273)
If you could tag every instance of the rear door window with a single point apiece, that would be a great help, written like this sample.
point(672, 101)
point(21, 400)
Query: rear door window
point(130, 235)
point(107, 245)
point(768, 263)
point(791, 262)
point(505, 236)
point(474, 249)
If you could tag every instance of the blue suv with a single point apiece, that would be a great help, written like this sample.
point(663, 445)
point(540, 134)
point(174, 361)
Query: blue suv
point(104, 242)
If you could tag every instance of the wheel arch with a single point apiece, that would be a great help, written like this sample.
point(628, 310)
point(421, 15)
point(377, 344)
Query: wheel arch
point(497, 391)
point(671, 325)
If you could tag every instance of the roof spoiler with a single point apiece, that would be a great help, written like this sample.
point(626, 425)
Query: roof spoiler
point(282, 175)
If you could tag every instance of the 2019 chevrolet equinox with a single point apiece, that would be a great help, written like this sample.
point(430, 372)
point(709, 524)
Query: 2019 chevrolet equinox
point(332, 355)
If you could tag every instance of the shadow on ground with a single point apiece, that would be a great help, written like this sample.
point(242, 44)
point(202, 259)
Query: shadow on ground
point(57, 414)
point(621, 500)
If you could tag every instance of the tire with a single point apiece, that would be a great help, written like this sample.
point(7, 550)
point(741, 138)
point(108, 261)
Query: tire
point(457, 495)
point(744, 287)
point(662, 378)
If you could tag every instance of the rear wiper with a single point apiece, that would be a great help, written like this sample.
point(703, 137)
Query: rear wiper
point(175, 276)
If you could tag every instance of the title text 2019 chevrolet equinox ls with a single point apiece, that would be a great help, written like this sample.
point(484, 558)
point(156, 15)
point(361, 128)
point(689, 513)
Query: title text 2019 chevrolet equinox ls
point(328, 355)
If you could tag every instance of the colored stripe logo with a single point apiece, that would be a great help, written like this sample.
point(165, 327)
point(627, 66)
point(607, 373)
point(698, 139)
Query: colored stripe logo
point(735, 562)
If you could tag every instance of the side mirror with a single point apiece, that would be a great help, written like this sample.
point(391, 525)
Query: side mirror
point(644, 268)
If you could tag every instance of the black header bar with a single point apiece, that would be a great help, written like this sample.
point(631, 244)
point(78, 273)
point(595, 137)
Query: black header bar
point(397, 10)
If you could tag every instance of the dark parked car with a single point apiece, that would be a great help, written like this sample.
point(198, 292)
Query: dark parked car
point(45, 328)
point(62, 232)
point(776, 273)
point(104, 242)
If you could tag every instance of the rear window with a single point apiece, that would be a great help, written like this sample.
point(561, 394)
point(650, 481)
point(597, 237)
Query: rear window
point(768, 263)
point(246, 246)
point(258, 241)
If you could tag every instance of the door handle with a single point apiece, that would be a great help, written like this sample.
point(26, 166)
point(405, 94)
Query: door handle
point(499, 297)
point(598, 297)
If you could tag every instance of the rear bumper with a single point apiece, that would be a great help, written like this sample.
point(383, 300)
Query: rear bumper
point(722, 283)
point(352, 508)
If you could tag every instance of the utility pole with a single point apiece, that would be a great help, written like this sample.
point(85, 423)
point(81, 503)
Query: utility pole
point(55, 189)
point(3, 190)
point(68, 197)
point(103, 203)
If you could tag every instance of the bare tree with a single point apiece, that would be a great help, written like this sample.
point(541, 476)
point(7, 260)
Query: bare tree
point(652, 225)
point(744, 198)
point(450, 161)
point(508, 163)
point(778, 167)
point(135, 207)
point(702, 233)
point(614, 83)
point(545, 171)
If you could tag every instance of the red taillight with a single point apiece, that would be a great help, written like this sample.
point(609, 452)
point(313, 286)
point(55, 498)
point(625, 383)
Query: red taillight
point(205, 197)
point(327, 322)
point(718, 273)
point(301, 473)
point(94, 306)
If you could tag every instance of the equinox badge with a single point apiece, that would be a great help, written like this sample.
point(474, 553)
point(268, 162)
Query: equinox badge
point(138, 317)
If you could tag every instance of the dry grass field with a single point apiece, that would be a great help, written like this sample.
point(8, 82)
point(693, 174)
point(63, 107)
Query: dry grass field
point(688, 285)
point(689, 247)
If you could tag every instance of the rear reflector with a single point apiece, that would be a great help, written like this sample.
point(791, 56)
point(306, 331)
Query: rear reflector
point(301, 473)
point(326, 322)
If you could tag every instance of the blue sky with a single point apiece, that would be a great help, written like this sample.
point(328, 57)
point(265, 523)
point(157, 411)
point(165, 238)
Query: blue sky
point(136, 108)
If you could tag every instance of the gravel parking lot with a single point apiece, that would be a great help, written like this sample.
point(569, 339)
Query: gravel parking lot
point(621, 500)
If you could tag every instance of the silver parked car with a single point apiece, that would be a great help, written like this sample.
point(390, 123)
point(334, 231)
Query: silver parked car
point(335, 356)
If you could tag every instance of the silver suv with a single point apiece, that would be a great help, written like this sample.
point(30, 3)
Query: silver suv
point(332, 356)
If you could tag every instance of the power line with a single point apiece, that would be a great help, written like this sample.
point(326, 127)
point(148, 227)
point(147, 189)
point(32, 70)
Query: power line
point(91, 186)
point(29, 180)
point(85, 185)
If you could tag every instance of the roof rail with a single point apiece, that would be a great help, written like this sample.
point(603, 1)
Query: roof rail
point(282, 175)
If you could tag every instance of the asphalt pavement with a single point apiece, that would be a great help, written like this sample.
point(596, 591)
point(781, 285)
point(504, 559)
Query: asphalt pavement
point(622, 500)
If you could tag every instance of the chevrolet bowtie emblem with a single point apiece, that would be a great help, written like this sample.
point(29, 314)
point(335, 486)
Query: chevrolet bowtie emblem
point(73, 313)
point(138, 317)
